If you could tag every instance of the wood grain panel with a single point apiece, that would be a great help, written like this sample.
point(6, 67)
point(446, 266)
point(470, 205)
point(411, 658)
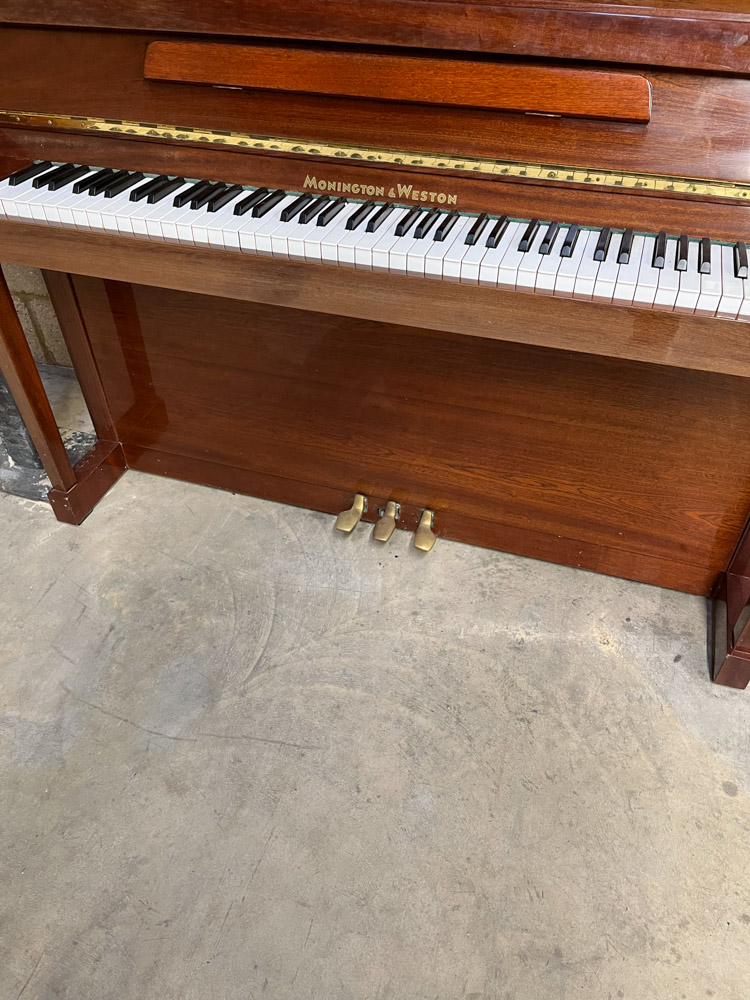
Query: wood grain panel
point(515, 86)
point(600, 463)
point(697, 39)
point(697, 126)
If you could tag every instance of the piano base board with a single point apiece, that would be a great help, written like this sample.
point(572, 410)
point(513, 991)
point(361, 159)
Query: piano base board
point(595, 462)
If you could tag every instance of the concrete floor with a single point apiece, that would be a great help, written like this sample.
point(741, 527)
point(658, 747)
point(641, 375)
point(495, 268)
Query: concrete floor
point(242, 756)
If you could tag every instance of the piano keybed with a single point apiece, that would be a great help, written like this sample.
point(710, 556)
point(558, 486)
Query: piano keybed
point(666, 272)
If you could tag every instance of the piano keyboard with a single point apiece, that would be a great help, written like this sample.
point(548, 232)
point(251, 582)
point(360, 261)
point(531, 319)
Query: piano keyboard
point(701, 277)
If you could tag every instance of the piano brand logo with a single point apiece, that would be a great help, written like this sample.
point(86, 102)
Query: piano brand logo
point(401, 192)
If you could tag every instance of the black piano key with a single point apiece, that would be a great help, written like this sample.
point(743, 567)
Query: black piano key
point(185, 197)
point(200, 199)
point(52, 175)
point(223, 198)
point(163, 190)
point(122, 185)
point(379, 218)
point(426, 223)
point(446, 224)
point(681, 262)
point(476, 230)
point(102, 185)
point(296, 207)
point(80, 187)
point(331, 211)
point(358, 217)
point(72, 175)
point(626, 247)
point(28, 172)
point(528, 237)
point(602, 244)
point(660, 250)
point(549, 237)
point(740, 260)
point(269, 202)
point(309, 213)
point(245, 204)
point(497, 231)
point(571, 238)
point(143, 190)
point(408, 221)
point(704, 256)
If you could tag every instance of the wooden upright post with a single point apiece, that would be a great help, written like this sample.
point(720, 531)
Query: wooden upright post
point(75, 489)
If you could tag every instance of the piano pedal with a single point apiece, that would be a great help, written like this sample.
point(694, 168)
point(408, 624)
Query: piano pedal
point(349, 519)
point(424, 537)
point(385, 527)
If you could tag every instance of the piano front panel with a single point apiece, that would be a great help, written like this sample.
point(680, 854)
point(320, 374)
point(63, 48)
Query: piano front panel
point(696, 128)
point(610, 465)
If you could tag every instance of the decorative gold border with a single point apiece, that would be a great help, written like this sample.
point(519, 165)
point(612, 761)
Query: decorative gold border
point(689, 186)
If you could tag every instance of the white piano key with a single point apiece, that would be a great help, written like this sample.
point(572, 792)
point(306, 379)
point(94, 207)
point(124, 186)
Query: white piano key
point(690, 283)
point(493, 258)
point(368, 241)
point(565, 278)
point(13, 197)
point(417, 258)
point(530, 262)
point(588, 270)
point(272, 223)
point(606, 278)
point(456, 253)
point(732, 287)
point(744, 310)
point(710, 293)
point(334, 232)
point(648, 275)
point(507, 272)
point(327, 235)
point(627, 278)
point(471, 261)
point(435, 256)
point(208, 226)
point(388, 239)
point(669, 279)
point(347, 243)
point(546, 274)
point(158, 221)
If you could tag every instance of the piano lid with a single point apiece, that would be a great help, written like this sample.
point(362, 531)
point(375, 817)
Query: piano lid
point(702, 34)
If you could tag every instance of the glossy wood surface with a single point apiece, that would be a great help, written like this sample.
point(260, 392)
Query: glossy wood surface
point(420, 79)
point(697, 126)
point(582, 459)
point(472, 311)
point(699, 39)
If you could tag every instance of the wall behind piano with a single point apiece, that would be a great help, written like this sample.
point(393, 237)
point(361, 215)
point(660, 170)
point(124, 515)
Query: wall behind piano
point(37, 315)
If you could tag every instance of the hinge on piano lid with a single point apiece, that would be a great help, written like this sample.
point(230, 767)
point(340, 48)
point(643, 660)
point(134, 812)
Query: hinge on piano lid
point(691, 187)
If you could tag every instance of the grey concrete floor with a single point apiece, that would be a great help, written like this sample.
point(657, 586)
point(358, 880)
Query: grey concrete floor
point(242, 756)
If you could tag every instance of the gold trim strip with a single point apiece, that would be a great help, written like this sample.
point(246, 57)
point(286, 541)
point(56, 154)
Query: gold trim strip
point(688, 186)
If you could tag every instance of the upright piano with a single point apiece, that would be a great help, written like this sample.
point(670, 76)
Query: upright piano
point(473, 268)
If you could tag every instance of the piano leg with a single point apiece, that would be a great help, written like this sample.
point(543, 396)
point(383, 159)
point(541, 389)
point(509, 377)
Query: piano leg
point(731, 619)
point(75, 489)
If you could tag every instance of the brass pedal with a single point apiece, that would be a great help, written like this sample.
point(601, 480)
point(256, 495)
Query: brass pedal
point(425, 537)
point(385, 527)
point(349, 519)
